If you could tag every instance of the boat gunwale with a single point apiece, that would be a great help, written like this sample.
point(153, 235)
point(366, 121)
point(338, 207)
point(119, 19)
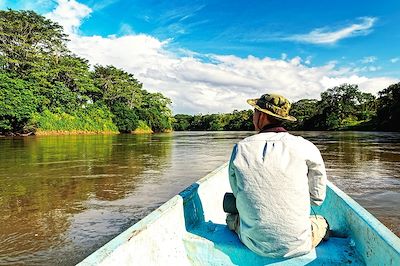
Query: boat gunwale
point(109, 247)
point(370, 220)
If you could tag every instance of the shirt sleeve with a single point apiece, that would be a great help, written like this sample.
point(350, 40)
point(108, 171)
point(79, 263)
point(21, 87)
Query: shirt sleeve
point(232, 173)
point(316, 176)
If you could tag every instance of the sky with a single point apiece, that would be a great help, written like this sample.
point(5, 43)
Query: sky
point(210, 56)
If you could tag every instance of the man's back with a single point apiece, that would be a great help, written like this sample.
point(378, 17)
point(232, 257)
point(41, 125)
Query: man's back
point(273, 176)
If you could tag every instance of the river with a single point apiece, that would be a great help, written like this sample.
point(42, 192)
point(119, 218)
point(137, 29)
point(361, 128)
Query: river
point(62, 197)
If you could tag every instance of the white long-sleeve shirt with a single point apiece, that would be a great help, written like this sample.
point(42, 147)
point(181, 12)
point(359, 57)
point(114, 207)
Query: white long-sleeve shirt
point(275, 177)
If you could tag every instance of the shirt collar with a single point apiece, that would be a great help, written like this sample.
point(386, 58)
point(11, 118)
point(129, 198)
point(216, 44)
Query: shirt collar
point(273, 128)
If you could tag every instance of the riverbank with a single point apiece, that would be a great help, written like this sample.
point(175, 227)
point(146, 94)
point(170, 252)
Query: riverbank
point(78, 132)
point(72, 132)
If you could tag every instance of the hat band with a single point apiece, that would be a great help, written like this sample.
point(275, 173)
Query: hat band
point(276, 110)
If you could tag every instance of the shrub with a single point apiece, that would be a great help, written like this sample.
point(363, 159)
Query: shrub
point(17, 104)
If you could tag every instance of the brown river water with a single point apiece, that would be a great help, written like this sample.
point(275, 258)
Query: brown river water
point(63, 197)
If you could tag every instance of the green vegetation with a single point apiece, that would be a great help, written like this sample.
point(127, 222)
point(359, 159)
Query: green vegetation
point(343, 107)
point(237, 120)
point(388, 114)
point(92, 119)
point(17, 103)
point(143, 128)
point(44, 87)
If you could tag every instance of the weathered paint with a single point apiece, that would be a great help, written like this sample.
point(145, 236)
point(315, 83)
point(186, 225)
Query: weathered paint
point(190, 229)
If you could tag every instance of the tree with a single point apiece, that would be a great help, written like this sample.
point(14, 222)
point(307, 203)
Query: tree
point(17, 104)
point(303, 110)
point(336, 105)
point(367, 107)
point(341, 99)
point(125, 118)
point(34, 48)
point(239, 120)
point(124, 95)
point(182, 122)
point(28, 41)
point(155, 111)
point(44, 85)
point(117, 86)
point(388, 112)
point(68, 86)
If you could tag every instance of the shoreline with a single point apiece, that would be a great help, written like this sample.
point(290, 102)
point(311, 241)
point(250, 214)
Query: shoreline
point(41, 133)
point(72, 132)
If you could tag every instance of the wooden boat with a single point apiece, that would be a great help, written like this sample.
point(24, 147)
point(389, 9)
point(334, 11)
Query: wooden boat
point(190, 229)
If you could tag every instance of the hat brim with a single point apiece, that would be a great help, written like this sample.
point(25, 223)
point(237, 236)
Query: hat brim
point(253, 102)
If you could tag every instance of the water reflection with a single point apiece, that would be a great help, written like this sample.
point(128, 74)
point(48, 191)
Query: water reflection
point(63, 197)
point(47, 184)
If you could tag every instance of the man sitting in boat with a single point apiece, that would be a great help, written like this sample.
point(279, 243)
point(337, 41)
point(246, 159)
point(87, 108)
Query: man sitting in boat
point(275, 176)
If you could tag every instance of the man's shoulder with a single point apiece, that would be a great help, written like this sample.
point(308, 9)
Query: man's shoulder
point(255, 138)
point(250, 138)
point(272, 136)
point(284, 137)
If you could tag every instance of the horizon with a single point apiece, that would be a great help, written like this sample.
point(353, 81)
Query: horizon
point(210, 57)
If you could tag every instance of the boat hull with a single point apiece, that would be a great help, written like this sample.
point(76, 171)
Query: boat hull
point(190, 229)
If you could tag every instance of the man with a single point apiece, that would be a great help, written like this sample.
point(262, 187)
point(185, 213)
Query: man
point(274, 177)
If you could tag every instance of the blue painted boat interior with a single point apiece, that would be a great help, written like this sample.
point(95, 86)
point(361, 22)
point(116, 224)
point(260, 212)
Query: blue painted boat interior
point(214, 244)
point(190, 229)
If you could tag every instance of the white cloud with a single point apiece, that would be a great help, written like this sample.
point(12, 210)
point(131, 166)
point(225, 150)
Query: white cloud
point(368, 59)
point(100, 4)
point(126, 29)
point(365, 69)
point(208, 83)
point(374, 68)
point(69, 14)
point(371, 85)
point(394, 60)
point(328, 36)
point(219, 85)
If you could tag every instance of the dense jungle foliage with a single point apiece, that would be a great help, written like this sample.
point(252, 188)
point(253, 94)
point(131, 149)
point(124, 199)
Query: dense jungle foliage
point(44, 87)
point(343, 107)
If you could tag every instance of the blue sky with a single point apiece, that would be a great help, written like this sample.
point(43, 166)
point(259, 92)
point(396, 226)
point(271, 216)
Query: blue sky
point(202, 53)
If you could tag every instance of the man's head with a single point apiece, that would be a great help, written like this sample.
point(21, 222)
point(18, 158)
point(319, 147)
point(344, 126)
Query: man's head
point(270, 109)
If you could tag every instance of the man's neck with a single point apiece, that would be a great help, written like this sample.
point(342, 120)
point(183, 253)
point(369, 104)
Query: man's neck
point(272, 128)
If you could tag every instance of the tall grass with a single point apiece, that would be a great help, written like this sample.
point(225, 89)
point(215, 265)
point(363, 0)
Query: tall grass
point(142, 128)
point(94, 119)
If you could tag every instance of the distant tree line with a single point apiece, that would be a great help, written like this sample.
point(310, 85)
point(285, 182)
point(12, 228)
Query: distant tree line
point(237, 120)
point(343, 107)
point(44, 86)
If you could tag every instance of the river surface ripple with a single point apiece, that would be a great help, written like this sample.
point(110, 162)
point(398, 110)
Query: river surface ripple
point(62, 197)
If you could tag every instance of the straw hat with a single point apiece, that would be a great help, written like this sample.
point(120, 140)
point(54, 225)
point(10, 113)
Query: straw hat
point(274, 105)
